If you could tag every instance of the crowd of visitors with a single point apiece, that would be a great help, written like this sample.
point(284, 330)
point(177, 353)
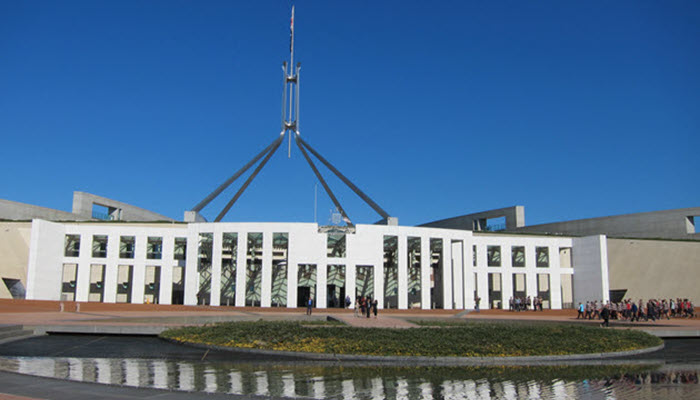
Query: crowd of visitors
point(524, 303)
point(628, 310)
point(365, 306)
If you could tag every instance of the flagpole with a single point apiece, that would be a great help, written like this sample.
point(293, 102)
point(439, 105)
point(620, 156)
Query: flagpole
point(291, 75)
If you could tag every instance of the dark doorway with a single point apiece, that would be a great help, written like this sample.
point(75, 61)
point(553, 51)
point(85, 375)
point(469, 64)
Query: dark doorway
point(336, 296)
point(303, 294)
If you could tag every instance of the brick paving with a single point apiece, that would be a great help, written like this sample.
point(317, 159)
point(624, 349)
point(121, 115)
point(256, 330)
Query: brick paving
point(381, 321)
point(6, 396)
point(37, 313)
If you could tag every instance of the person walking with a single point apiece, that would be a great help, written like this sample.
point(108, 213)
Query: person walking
point(605, 313)
point(369, 306)
point(375, 305)
point(580, 311)
point(309, 305)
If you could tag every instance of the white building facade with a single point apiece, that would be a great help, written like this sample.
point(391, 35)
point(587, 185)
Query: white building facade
point(285, 264)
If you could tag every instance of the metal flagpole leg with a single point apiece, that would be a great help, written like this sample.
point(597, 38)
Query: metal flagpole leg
point(296, 106)
point(230, 180)
point(284, 96)
point(342, 177)
point(250, 179)
point(323, 182)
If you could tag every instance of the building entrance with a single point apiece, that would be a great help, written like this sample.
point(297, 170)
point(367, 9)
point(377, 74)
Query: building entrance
point(306, 281)
point(335, 286)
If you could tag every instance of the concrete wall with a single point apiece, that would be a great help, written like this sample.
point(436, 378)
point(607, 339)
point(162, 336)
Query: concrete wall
point(14, 211)
point(515, 217)
point(82, 210)
point(667, 224)
point(45, 247)
point(590, 257)
point(655, 268)
point(83, 202)
point(14, 253)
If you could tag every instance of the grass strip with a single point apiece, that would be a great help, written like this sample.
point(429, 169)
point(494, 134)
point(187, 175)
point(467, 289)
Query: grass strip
point(478, 339)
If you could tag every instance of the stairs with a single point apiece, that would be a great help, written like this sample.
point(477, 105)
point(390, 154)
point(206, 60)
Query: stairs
point(10, 333)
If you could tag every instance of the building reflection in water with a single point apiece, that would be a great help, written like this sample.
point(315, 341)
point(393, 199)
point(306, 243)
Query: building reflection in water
point(354, 382)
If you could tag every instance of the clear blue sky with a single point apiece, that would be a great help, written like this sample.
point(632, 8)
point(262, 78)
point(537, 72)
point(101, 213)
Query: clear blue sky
point(435, 109)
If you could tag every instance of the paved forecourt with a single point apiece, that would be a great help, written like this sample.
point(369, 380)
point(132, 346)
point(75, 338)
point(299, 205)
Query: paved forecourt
point(151, 319)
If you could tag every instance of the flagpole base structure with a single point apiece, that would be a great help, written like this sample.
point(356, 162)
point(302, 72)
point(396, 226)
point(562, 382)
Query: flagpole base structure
point(290, 126)
point(194, 216)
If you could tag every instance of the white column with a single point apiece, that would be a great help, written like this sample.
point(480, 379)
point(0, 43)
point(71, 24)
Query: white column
point(447, 302)
point(530, 271)
point(403, 272)
point(266, 279)
point(191, 275)
point(506, 276)
point(292, 272)
point(468, 274)
point(241, 268)
point(379, 281)
point(350, 282)
point(215, 288)
point(458, 274)
point(82, 282)
point(482, 286)
point(139, 271)
point(109, 280)
point(554, 278)
point(165, 295)
point(425, 273)
point(321, 285)
point(82, 278)
point(110, 283)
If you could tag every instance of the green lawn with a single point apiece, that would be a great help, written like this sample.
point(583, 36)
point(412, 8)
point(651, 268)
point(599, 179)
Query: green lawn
point(472, 339)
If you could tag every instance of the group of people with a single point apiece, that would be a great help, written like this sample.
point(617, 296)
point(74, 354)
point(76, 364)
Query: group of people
point(628, 310)
point(364, 306)
point(524, 303)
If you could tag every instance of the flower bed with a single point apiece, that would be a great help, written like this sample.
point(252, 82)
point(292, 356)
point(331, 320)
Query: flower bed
point(474, 339)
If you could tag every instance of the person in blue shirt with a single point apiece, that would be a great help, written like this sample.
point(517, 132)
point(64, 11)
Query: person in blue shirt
point(309, 305)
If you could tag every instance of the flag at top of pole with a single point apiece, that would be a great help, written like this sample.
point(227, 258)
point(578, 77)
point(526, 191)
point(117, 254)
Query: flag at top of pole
point(291, 32)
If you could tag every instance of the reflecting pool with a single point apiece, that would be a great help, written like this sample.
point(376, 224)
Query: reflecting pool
point(639, 380)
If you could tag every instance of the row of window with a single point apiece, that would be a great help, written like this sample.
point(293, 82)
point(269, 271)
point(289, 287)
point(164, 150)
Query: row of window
point(517, 253)
point(336, 247)
point(127, 245)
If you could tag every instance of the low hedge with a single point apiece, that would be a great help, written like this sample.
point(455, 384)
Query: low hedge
point(475, 339)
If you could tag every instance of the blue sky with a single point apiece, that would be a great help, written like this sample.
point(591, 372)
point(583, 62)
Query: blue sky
point(572, 109)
